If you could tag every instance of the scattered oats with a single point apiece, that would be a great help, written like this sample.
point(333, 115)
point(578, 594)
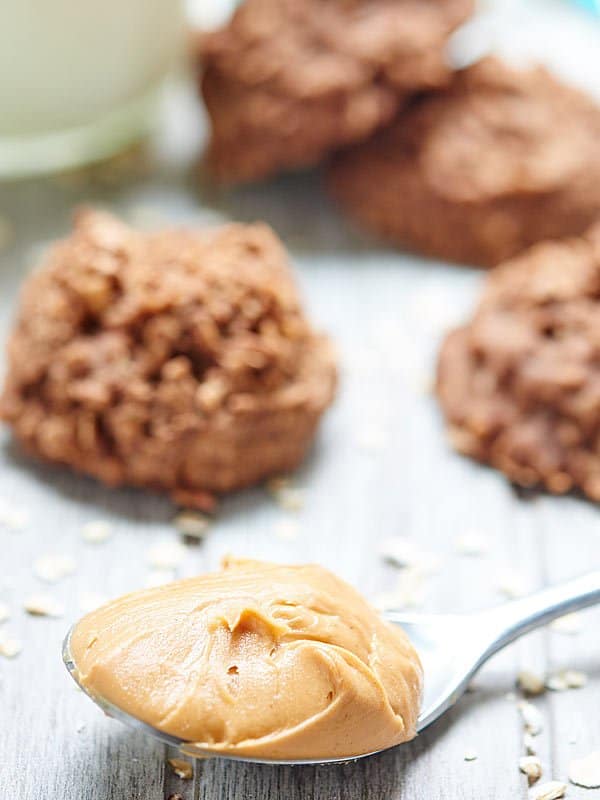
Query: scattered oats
point(192, 523)
point(4, 612)
point(566, 679)
point(166, 555)
point(574, 678)
point(470, 755)
point(569, 624)
point(53, 568)
point(511, 584)
point(183, 769)
point(12, 518)
point(553, 790)
point(285, 495)
point(290, 499)
point(586, 771)
point(531, 716)
point(43, 605)
point(9, 646)
point(286, 529)
point(403, 552)
point(532, 767)
point(471, 543)
point(158, 577)
point(530, 744)
point(410, 590)
point(90, 601)
point(7, 233)
point(371, 438)
point(556, 683)
point(97, 531)
point(530, 683)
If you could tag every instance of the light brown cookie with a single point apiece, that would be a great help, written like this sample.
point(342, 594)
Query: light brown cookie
point(178, 360)
point(477, 172)
point(520, 383)
point(287, 81)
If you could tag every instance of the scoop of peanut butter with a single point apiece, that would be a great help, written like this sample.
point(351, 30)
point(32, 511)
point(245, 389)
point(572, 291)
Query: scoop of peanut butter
point(257, 660)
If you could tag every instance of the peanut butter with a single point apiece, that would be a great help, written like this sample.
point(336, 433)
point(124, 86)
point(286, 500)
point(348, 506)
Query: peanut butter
point(257, 660)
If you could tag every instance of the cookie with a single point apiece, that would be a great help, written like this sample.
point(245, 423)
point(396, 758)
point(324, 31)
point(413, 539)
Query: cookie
point(479, 171)
point(520, 383)
point(287, 81)
point(178, 360)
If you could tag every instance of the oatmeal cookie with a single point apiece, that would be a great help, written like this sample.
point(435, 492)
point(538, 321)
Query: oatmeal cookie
point(178, 360)
point(286, 81)
point(520, 383)
point(477, 172)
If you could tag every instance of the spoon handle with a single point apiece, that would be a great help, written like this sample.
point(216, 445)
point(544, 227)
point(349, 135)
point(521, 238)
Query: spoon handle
point(511, 620)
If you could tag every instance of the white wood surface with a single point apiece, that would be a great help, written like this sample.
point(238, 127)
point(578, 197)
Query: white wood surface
point(386, 311)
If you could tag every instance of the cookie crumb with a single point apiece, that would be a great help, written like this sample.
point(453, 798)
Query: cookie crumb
point(183, 769)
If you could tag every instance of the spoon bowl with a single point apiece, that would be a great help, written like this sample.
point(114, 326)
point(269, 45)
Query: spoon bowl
point(452, 648)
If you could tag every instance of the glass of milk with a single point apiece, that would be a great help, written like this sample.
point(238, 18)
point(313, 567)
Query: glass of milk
point(79, 78)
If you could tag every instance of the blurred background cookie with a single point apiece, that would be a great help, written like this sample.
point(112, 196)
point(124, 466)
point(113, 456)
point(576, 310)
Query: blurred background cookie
point(179, 360)
point(287, 81)
point(519, 383)
point(478, 171)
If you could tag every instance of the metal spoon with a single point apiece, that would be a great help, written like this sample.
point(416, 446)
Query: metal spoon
point(452, 648)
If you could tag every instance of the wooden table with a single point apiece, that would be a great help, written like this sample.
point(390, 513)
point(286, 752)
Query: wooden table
point(381, 467)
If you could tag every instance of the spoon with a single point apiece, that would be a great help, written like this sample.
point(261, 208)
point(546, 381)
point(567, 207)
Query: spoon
point(452, 648)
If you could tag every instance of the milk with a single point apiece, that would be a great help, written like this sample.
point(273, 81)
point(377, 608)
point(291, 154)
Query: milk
point(74, 67)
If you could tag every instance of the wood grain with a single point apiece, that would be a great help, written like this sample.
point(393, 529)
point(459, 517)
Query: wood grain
point(387, 312)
